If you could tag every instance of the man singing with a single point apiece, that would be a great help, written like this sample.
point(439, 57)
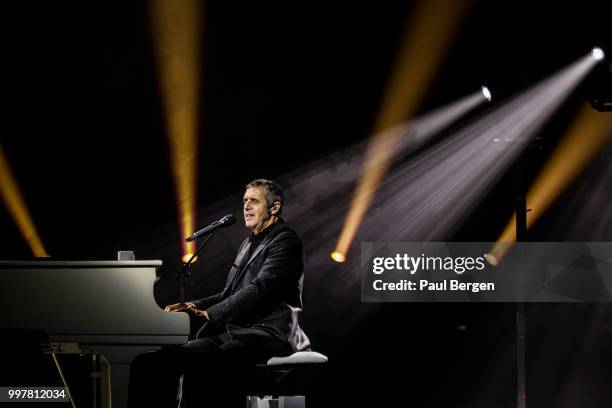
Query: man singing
point(253, 318)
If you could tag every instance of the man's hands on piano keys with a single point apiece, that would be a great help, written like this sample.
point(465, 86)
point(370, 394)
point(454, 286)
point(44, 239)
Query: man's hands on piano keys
point(180, 307)
point(187, 307)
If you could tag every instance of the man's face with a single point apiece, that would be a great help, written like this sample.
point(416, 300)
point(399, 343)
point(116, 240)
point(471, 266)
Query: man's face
point(256, 209)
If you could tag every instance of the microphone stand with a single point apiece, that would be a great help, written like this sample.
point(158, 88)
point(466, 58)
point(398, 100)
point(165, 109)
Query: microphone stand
point(185, 273)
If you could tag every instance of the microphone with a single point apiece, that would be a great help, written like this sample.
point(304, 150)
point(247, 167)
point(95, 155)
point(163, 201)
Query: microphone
point(226, 221)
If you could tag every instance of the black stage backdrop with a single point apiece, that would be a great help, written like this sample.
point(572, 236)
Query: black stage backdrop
point(284, 84)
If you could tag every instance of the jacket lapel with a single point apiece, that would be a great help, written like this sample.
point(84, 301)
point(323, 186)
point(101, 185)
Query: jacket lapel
point(242, 252)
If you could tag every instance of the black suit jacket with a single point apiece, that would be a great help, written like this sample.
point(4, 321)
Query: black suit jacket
point(262, 294)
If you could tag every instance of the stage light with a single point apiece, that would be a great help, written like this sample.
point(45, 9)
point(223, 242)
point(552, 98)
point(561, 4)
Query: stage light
point(429, 197)
point(492, 259)
point(187, 256)
point(598, 54)
point(486, 93)
point(338, 257)
point(404, 140)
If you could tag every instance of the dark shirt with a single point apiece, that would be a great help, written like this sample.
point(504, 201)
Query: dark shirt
point(255, 240)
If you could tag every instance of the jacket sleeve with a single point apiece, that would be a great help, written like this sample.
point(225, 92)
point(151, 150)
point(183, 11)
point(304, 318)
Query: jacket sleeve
point(206, 302)
point(284, 262)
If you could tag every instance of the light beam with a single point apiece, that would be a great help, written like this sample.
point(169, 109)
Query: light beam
point(584, 138)
point(177, 29)
point(426, 40)
point(17, 208)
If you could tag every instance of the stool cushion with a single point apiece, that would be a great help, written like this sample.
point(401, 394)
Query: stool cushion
point(300, 357)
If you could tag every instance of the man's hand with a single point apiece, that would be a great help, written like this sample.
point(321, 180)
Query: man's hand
point(187, 307)
point(180, 307)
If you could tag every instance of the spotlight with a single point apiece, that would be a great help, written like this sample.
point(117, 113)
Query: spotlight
point(492, 259)
point(597, 54)
point(486, 93)
point(338, 257)
point(187, 256)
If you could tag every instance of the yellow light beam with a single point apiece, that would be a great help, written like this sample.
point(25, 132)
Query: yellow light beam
point(177, 29)
point(584, 138)
point(426, 39)
point(16, 206)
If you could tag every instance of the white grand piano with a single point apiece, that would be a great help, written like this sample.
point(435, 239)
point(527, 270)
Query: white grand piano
point(106, 307)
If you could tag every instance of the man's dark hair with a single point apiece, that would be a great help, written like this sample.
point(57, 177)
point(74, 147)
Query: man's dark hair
point(273, 192)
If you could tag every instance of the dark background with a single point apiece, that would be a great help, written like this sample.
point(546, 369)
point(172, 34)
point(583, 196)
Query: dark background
point(285, 83)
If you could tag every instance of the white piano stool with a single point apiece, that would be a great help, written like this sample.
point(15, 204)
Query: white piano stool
point(281, 382)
